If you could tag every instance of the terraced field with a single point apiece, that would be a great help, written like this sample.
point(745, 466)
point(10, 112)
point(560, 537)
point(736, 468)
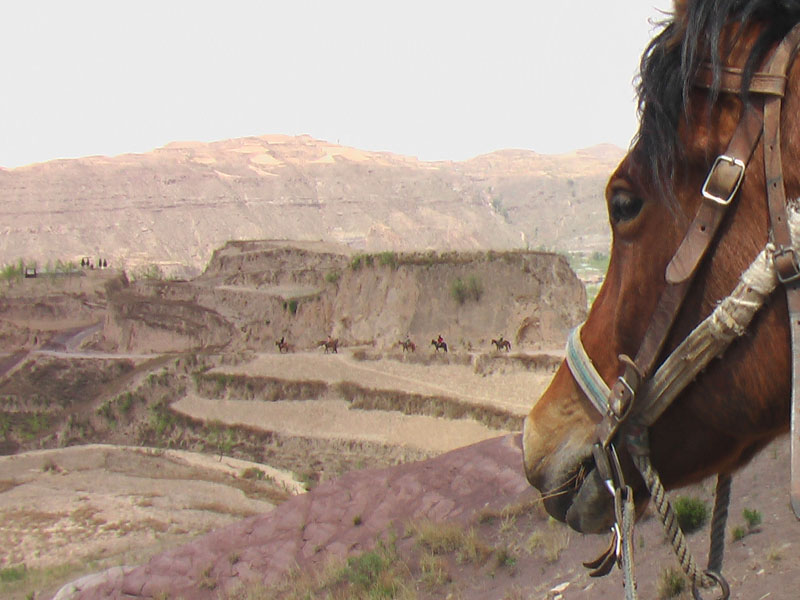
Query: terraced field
point(391, 399)
point(187, 444)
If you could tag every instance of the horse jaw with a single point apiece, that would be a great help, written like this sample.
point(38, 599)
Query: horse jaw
point(557, 443)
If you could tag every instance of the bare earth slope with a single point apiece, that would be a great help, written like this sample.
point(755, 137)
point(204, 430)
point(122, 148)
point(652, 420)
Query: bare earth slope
point(175, 205)
point(470, 486)
point(103, 502)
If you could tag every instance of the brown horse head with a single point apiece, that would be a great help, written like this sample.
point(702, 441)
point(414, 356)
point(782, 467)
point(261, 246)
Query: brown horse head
point(741, 401)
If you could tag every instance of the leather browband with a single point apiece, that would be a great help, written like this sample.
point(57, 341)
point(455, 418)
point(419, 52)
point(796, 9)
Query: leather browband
point(731, 78)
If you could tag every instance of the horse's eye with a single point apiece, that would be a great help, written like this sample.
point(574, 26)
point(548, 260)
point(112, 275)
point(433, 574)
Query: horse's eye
point(624, 206)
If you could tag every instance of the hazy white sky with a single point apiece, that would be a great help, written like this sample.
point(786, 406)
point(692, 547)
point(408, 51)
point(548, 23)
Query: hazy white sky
point(434, 79)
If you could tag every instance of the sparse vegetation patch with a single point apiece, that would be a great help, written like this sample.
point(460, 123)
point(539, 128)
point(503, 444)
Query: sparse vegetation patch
point(375, 574)
point(388, 259)
point(268, 389)
point(151, 272)
point(672, 584)
point(550, 542)
point(415, 404)
point(466, 289)
point(13, 573)
point(439, 538)
point(692, 513)
point(753, 518)
point(12, 272)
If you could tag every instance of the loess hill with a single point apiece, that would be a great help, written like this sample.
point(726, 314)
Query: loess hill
point(173, 206)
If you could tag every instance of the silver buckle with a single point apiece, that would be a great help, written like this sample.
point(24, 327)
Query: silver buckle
point(734, 162)
point(618, 410)
point(794, 276)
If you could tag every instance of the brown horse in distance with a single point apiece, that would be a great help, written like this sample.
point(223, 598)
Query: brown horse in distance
point(439, 345)
point(740, 402)
point(283, 346)
point(330, 345)
point(408, 345)
point(502, 344)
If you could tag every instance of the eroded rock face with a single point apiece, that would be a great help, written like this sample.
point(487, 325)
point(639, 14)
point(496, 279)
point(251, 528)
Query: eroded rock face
point(173, 206)
point(254, 293)
point(308, 530)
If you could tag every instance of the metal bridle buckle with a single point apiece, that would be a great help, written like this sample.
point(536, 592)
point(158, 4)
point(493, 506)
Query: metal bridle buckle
point(792, 277)
point(621, 412)
point(727, 161)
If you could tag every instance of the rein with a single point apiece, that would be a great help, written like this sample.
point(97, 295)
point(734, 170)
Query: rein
point(645, 390)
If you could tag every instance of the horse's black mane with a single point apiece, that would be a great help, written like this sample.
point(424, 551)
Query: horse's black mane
point(670, 62)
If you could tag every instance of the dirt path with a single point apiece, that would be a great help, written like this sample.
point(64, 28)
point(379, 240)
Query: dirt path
point(9, 361)
point(70, 339)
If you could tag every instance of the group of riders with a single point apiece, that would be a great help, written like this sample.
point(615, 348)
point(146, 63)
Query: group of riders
point(330, 344)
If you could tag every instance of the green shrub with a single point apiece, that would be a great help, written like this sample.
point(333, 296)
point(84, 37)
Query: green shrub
point(253, 473)
point(15, 573)
point(151, 272)
point(752, 517)
point(470, 289)
point(474, 288)
point(738, 533)
point(361, 260)
point(387, 259)
point(12, 272)
point(161, 419)
point(292, 306)
point(458, 290)
point(332, 276)
point(125, 402)
point(692, 513)
point(505, 558)
point(365, 571)
point(105, 411)
point(34, 424)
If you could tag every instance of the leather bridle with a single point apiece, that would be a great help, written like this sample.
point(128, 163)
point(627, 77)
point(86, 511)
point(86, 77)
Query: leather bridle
point(626, 414)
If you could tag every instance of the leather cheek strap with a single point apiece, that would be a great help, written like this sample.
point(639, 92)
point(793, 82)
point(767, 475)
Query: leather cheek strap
point(722, 182)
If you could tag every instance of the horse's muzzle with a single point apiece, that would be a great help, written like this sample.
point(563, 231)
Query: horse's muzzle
point(592, 507)
point(572, 491)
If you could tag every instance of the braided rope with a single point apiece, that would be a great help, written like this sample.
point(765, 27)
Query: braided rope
point(722, 497)
point(671, 527)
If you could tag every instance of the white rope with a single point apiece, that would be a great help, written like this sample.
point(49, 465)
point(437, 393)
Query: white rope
point(732, 316)
point(709, 339)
